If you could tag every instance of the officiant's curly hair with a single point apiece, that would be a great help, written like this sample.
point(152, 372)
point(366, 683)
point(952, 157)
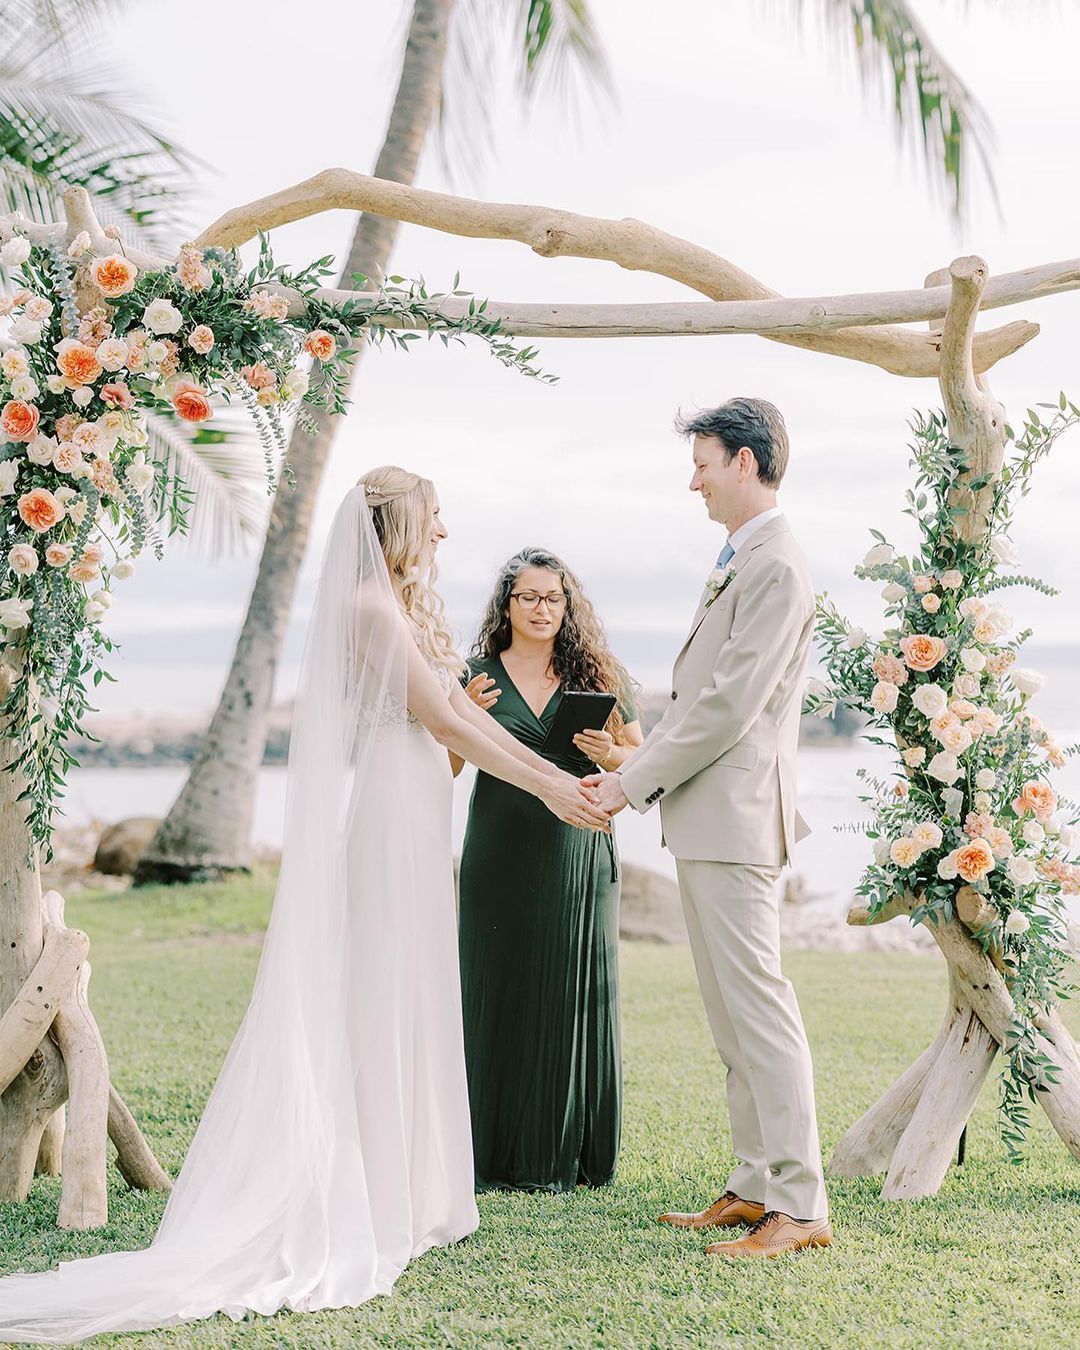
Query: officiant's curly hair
point(402, 510)
point(582, 658)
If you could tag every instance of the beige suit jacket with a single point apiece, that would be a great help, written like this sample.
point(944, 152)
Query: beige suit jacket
point(721, 761)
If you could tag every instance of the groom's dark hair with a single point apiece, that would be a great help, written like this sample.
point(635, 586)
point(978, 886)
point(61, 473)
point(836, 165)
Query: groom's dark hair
point(744, 421)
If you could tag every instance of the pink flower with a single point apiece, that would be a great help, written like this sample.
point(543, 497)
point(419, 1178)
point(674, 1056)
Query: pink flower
point(68, 458)
point(191, 270)
point(890, 669)
point(201, 339)
point(117, 395)
point(923, 584)
point(258, 376)
point(952, 580)
point(1000, 841)
point(977, 824)
point(931, 603)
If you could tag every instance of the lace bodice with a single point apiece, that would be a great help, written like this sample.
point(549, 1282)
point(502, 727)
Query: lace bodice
point(394, 715)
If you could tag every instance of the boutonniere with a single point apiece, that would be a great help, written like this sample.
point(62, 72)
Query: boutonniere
point(720, 578)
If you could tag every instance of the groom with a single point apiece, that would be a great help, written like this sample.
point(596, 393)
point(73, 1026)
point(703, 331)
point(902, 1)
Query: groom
point(721, 763)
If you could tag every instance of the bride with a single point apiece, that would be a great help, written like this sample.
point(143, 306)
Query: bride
point(336, 1144)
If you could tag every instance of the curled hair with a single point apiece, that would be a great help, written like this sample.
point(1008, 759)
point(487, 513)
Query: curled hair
point(581, 658)
point(402, 508)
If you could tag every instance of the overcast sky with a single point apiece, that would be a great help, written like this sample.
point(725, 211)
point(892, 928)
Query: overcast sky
point(733, 128)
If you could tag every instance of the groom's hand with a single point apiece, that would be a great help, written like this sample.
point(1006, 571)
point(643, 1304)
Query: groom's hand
point(606, 791)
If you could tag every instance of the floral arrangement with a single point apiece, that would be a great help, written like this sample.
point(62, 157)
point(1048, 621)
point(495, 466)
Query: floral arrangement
point(970, 825)
point(94, 346)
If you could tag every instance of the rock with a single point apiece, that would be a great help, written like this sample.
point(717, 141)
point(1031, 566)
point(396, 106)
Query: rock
point(651, 909)
point(121, 845)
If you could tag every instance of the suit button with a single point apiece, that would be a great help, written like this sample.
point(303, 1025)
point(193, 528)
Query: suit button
point(674, 696)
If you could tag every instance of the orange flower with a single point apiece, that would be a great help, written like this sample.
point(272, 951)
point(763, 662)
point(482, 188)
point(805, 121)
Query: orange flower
point(40, 510)
point(258, 376)
point(114, 275)
point(84, 571)
point(1036, 799)
point(320, 344)
point(19, 420)
point(77, 362)
point(191, 402)
point(922, 652)
point(975, 860)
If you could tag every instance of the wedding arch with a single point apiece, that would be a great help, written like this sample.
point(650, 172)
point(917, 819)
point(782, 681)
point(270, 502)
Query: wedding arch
point(50, 1049)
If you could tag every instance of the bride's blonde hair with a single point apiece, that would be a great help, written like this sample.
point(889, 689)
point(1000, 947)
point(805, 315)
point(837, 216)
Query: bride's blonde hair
point(402, 509)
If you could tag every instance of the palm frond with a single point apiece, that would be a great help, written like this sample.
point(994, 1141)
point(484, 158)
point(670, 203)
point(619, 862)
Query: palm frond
point(220, 465)
point(933, 107)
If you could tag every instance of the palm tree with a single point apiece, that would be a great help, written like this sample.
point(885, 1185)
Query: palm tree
point(207, 829)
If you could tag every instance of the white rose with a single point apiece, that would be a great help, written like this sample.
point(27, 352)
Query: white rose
point(9, 471)
point(1021, 871)
point(881, 851)
point(82, 396)
point(972, 659)
point(944, 767)
point(947, 869)
point(23, 559)
point(1026, 682)
point(15, 252)
point(40, 450)
point(985, 779)
point(953, 799)
point(161, 316)
point(1033, 832)
point(1067, 836)
point(1000, 618)
point(296, 383)
point(102, 598)
point(914, 756)
point(967, 685)
point(139, 474)
point(893, 592)
point(123, 569)
point(15, 614)
point(22, 386)
point(1003, 551)
point(931, 700)
point(883, 696)
point(112, 353)
point(879, 555)
point(93, 611)
point(1017, 922)
point(56, 384)
point(26, 330)
point(982, 801)
point(156, 352)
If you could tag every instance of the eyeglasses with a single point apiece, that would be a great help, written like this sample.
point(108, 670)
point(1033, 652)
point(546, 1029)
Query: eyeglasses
point(530, 599)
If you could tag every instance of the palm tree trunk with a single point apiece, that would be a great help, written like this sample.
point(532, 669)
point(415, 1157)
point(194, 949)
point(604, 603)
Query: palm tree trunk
point(207, 831)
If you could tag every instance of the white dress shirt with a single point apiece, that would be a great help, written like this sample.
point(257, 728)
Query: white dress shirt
point(751, 527)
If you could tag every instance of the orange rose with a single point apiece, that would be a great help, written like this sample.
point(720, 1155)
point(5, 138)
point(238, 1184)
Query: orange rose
point(114, 275)
point(77, 362)
point(975, 860)
point(40, 510)
point(1036, 799)
point(190, 402)
point(19, 420)
point(320, 344)
point(922, 652)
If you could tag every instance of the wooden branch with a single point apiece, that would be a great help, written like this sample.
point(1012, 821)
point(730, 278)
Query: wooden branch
point(859, 915)
point(134, 1157)
point(51, 1148)
point(34, 1007)
point(83, 1200)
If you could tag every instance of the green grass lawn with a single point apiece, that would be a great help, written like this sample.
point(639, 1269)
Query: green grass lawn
point(991, 1260)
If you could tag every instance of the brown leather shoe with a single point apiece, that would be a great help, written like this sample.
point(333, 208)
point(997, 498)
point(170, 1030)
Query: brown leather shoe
point(729, 1211)
point(776, 1234)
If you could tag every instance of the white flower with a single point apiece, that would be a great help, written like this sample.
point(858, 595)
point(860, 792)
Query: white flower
point(944, 767)
point(26, 330)
point(931, 700)
point(881, 851)
point(879, 555)
point(138, 473)
point(1017, 922)
point(14, 613)
point(1003, 551)
point(1000, 619)
point(93, 611)
point(40, 450)
point(79, 245)
point(9, 471)
point(23, 386)
point(23, 559)
point(15, 362)
point(296, 383)
point(947, 869)
point(893, 592)
point(982, 801)
point(123, 569)
point(1026, 681)
point(102, 598)
point(112, 353)
point(156, 352)
point(953, 799)
point(883, 696)
point(78, 509)
point(985, 779)
point(967, 684)
point(56, 384)
point(15, 252)
point(1067, 836)
point(38, 308)
point(162, 316)
point(970, 658)
point(928, 834)
point(816, 688)
point(1021, 871)
point(82, 396)
point(1033, 832)
point(914, 756)
point(1052, 825)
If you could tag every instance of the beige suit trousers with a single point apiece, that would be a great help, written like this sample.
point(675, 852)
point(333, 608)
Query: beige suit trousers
point(732, 915)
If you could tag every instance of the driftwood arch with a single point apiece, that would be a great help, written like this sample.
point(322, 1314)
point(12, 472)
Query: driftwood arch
point(50, 1047)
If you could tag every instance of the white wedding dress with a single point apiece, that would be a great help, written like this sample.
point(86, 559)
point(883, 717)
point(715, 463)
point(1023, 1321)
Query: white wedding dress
point(336, 1144)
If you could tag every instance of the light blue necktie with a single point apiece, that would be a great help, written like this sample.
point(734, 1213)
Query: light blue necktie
point(726, 555)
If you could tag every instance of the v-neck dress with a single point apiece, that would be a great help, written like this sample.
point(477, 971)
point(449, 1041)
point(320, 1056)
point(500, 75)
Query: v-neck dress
point(538, 940)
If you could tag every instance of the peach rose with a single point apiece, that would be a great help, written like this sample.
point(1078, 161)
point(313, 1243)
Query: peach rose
point(93, 552)
point(975, 860)
point(68, 458)
point(923, 584)
point(921, 651)
point(77, 362)
point(1036, 799)
point(117, 395)
point(952, 580)
point(40, 510)
point(201, 339)
point(320, 344)
point(114, 276)
point(1000, 663)
point(904, 852)
point(191, 402)
point(19, 420)
point(58, 555)
point(931, 603)
point(1000, 841)
point(84, 571)
point(102, 476)
point(258, 376)
point(977, 825)
point(961, 708)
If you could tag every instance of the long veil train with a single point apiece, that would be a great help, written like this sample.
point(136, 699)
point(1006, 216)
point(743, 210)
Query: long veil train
point(334, 1145)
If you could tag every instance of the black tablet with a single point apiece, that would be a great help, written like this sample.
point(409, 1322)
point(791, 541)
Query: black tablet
point(579, 710)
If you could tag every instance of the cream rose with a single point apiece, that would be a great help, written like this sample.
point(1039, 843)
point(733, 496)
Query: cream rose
point(883, 697)
point(23, 559)
point(201, 339)
point(931, 700)
point(986, 779)
point(914, 756)
point(904, 852)
point(1000, 841)
point(1021, 871)
point(893, 592)
point(946, 868)
point(161, 316)
point(927, 834)
point(58, 555)
point(944, 767)
point(1017, 922)
point(952, 580)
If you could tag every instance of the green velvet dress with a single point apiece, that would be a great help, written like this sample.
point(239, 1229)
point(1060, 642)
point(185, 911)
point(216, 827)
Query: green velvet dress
point(539, 936)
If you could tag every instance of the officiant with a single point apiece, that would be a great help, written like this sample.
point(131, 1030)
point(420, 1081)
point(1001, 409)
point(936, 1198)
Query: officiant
point(539, 920)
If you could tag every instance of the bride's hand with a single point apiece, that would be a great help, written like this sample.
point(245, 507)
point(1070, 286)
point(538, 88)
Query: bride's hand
point(565, 799)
